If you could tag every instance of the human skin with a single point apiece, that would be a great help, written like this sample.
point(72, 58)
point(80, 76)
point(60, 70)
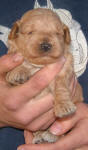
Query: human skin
point(76, 139)
point(16, 102)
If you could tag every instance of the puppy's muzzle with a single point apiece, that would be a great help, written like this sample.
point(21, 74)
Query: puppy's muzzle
point(45, 46)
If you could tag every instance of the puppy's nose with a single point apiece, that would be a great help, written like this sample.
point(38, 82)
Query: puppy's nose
point(45, 46)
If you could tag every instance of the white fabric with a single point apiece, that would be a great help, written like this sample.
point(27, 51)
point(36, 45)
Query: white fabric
point(4, 31)
point(78, 48)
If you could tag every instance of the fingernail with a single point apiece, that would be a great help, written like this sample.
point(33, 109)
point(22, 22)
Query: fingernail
point(17, 57)
point(56, 128)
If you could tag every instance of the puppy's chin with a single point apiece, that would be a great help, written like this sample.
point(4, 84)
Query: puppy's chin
point(45, 60)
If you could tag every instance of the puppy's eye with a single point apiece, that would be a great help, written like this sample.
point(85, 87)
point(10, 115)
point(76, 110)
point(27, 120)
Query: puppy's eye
point(30, 32)
point(57, 33)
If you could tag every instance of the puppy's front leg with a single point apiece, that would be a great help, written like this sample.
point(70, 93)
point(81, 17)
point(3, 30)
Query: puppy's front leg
point(19, 75)
point(63, 101)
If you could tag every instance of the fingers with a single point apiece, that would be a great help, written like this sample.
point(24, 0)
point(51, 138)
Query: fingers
point(35, 108)
point(47, 125)
point(41, 122)
point(28, 136)
point(40, 80)
point(44, 120)
point(37, 147)
point(10, 61)
point(74, 139)
point(28, 112)
point(61, 126)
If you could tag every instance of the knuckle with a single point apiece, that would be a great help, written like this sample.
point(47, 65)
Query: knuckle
point(11, 106)
point(11, 103)
point(39, 82)
point(22, 119)
point(33, 128)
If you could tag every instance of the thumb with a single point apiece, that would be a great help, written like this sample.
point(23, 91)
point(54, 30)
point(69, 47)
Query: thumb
point(10, 61)
point(28, 136)
point(62, 126)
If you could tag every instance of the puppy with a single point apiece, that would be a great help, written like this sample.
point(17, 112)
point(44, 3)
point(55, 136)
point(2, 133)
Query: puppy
point(42, 39)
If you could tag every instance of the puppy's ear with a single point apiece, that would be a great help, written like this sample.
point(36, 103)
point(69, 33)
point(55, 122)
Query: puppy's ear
point(14, 31)
point(67, 37)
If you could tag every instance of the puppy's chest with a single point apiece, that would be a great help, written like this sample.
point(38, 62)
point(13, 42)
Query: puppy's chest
point(33, 69)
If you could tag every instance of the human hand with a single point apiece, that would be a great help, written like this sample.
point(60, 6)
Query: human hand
point(17, 106)
point(75, 139)
point(27, 134)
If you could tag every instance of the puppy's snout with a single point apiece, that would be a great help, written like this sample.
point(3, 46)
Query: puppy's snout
point(45, 46)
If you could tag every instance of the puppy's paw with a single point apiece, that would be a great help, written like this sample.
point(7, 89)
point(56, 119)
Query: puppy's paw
point(44, 136)
point(16, 77)
point(49, 137)
point(37, 137)
point(64, 109)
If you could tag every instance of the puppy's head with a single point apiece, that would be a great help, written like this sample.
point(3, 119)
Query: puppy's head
point(40, 36)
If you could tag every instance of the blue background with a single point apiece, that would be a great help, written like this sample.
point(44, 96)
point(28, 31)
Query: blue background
point(12, 10)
